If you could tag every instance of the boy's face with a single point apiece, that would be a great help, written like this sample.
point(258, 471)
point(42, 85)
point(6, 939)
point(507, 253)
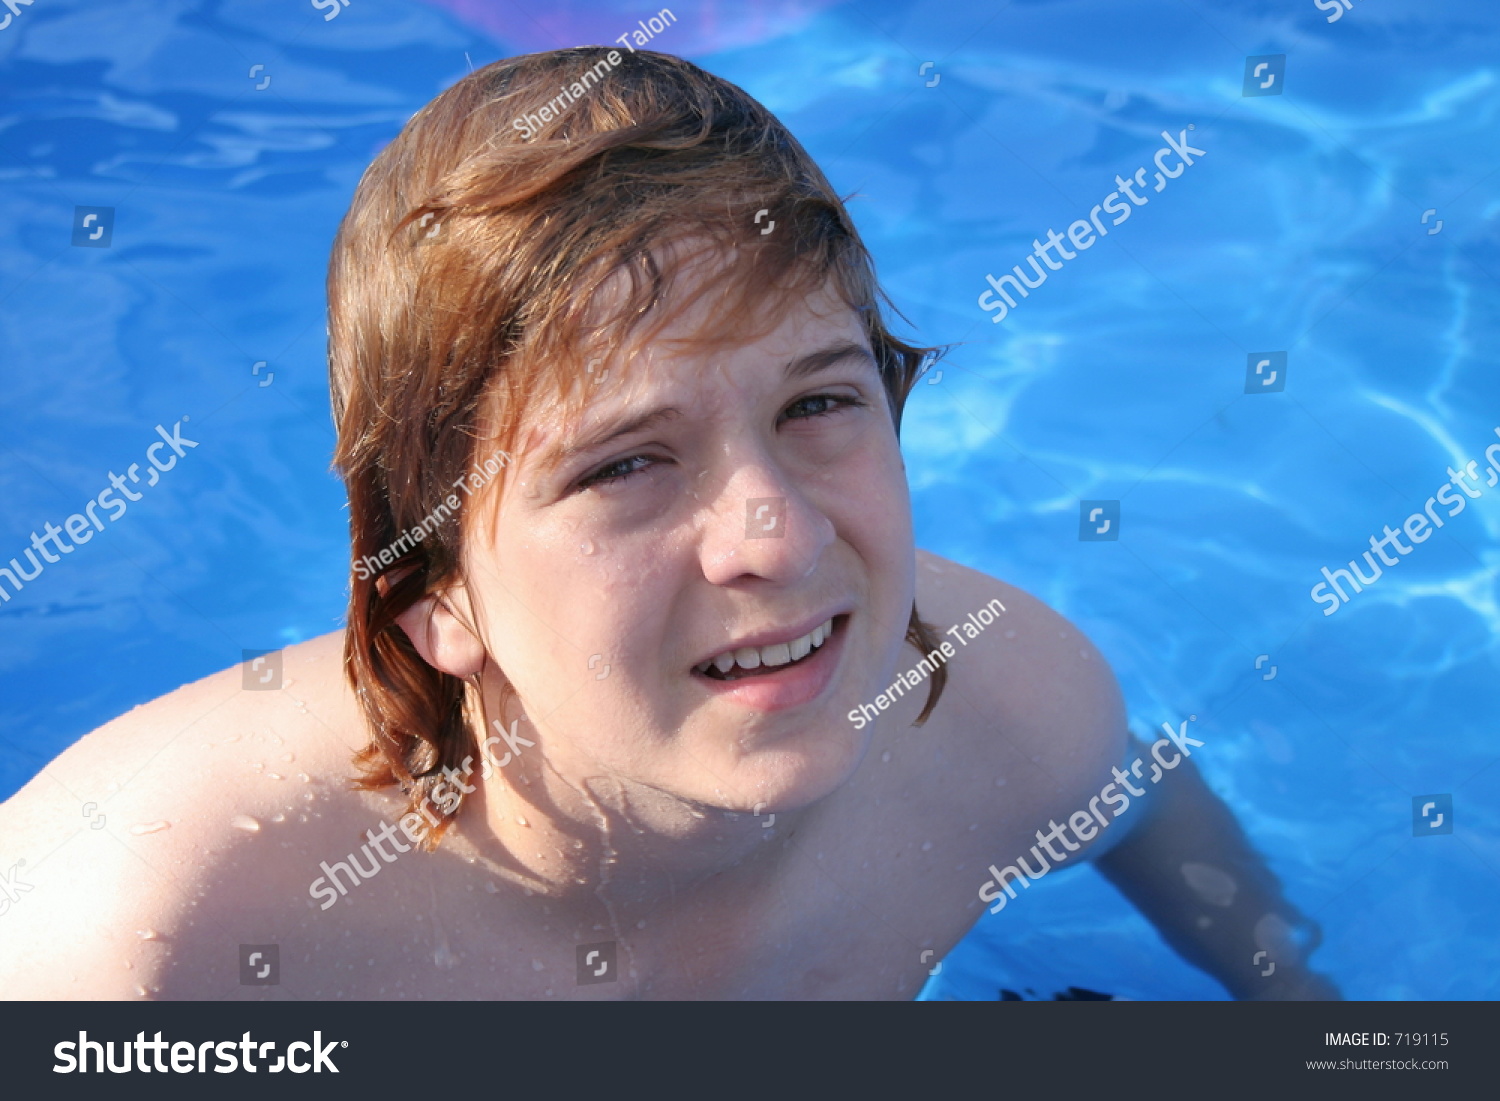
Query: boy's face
point(708, 501)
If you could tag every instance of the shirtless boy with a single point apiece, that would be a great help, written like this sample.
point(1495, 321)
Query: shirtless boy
point(632, 562)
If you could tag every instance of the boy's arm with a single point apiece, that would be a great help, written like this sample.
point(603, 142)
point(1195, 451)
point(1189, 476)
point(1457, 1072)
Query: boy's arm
point(1186, 864)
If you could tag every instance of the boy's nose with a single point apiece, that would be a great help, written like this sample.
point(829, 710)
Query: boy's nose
point(763, 525)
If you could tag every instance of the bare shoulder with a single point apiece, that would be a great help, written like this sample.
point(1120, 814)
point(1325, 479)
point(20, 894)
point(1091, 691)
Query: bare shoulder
point(1027, 693)
point(112, 843)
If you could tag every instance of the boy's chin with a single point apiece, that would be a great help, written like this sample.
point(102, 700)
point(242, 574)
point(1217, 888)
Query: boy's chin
point(789, 777)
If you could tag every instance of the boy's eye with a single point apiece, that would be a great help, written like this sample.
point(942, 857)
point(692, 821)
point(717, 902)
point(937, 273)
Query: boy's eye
point(616, 471)
point(814, 405)
point(819, 405)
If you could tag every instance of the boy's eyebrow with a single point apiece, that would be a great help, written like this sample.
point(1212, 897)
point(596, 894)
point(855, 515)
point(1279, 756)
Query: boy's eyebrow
point(814, 362)
point(800, 367)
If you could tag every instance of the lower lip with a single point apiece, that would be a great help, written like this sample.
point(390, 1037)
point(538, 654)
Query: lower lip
point(791, 686)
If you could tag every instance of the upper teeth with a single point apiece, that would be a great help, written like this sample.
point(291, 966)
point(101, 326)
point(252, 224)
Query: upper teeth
point(753, 657)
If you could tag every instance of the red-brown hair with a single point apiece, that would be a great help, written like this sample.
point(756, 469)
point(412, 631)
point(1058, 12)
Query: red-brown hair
point(464, 286)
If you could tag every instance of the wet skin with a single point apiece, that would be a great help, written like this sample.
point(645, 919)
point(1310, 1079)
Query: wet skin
point(642, 812)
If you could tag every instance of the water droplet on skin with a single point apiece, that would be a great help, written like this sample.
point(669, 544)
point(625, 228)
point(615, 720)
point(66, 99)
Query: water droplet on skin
point(278, 818)
point(148, 934)
point(140, 991)
point(149, 827)
point(490, 887)
point(538, 965)
point(520, 821)
point(1212, 885)
point(586, 547)
point(258, 767)
point(245, 822)
point(274, 776)
point(886, 757)
point(288, 756)
point(443, 958)
point(304, 777)
point(128, 965)
point(641, 924)
point(926, 846)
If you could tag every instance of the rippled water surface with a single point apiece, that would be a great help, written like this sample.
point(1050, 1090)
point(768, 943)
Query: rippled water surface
point(227, 137)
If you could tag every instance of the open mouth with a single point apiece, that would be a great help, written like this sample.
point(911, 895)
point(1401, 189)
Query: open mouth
point(761, 661)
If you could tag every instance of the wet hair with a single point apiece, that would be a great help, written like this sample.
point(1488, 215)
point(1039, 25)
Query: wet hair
point(468, 283)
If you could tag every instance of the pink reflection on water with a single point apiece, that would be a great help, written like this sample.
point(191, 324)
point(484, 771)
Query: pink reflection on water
point(701, 28)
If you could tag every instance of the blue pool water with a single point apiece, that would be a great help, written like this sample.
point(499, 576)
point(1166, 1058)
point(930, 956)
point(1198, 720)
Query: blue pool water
point(226, 138)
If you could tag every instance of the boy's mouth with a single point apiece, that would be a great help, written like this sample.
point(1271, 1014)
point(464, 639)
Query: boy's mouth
point(760, 661)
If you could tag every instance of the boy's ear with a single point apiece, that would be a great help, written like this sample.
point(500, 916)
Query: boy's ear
point(443, 638)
